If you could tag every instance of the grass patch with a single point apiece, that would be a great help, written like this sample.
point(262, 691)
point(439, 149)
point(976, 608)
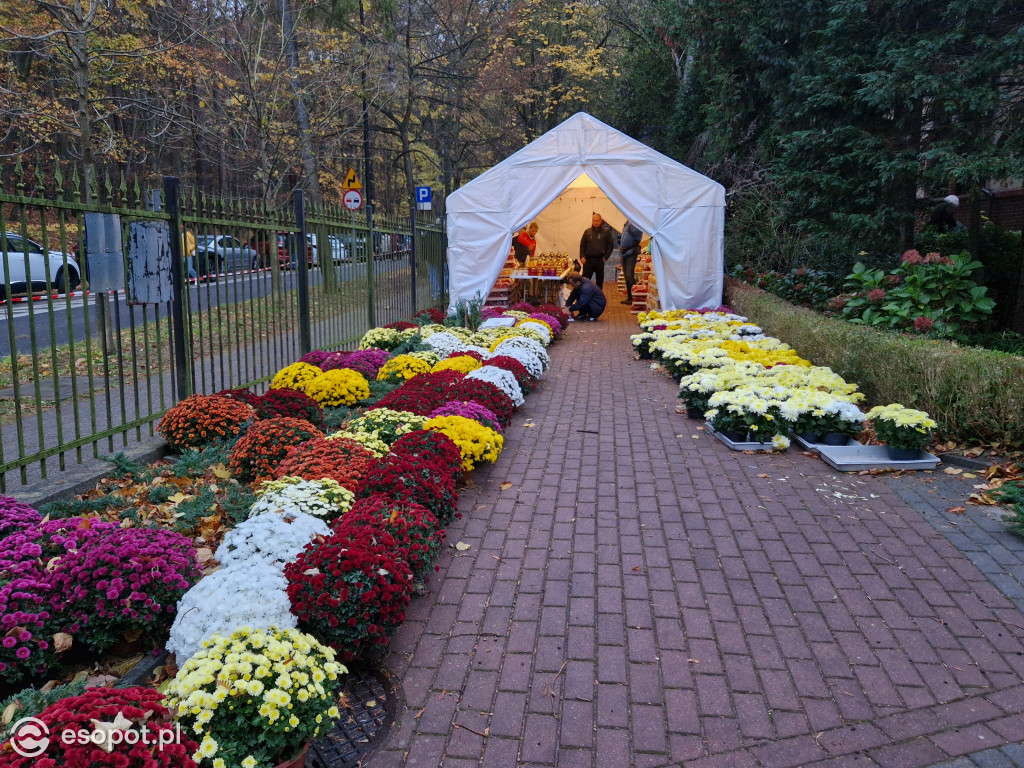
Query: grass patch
point(974, 394)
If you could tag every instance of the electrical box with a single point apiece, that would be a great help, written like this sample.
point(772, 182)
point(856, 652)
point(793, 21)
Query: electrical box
point(104, 257)
point(149, 263)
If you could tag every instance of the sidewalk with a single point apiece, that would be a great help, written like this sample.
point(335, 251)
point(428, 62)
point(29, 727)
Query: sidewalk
point(642, 596)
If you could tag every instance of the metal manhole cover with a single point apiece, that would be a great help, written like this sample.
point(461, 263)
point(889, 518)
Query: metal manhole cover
point(371, 711)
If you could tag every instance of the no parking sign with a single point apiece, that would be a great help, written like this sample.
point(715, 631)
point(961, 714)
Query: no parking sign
point(353, 199)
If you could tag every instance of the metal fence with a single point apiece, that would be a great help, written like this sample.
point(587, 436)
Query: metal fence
point(89, 370)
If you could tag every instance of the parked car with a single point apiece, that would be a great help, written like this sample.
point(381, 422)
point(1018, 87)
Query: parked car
point(284, 248)
point(223, 253)
point(24, 257)
point(339, 253)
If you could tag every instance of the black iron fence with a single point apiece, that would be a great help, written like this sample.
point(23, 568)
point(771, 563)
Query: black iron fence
point(120, 302)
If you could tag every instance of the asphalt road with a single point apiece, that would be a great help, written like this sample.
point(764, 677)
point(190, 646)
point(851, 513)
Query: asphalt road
point(69, 322)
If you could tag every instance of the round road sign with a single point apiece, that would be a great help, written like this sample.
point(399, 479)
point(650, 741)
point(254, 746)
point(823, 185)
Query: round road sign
point(353, 200)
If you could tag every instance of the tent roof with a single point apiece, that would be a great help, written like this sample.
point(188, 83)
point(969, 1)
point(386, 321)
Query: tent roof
point(680, 208)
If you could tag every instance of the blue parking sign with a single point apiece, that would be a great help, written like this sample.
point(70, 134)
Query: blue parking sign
point(423, 194)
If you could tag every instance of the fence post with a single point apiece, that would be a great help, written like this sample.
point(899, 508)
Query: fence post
point(413, 250)
point(182, 345)
point(302, 268)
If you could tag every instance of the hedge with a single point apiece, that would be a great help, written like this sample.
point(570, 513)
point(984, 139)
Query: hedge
point(974, 394)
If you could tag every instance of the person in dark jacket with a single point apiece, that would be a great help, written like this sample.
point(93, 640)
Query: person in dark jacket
point(587, 301)
point(596, 246)
point(629, 247)
point(943, 216)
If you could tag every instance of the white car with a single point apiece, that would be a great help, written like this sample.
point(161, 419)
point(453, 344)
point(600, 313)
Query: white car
point(21, 257)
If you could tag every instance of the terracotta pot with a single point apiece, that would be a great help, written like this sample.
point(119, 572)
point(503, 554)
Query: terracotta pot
point(299, 761)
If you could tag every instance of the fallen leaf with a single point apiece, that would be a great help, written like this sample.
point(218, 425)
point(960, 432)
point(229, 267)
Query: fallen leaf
point(529, 425)
point(957, 510)
point(953, 471)
point(11, 710)
point(969, 476)
point(506, 485)
point(462, 546)
point(179, 497)
point(974, 452)
point(763, 474)
point(219, 470)
point(205, 555)
point(61, 642)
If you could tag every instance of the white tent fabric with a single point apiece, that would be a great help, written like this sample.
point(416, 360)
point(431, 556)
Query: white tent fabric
point(682, 211)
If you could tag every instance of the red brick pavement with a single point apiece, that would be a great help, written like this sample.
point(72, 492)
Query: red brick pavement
point(642, 596)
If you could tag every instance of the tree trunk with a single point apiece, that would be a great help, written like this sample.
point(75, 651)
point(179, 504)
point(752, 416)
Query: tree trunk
point(310, 171)
point(80, 73)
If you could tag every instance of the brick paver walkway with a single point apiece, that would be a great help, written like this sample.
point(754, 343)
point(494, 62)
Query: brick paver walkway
point(642, 596)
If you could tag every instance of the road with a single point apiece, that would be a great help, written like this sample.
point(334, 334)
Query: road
point(228, 289)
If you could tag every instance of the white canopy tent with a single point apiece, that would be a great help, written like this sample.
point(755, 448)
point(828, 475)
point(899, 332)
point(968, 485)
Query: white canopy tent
point(680, 209)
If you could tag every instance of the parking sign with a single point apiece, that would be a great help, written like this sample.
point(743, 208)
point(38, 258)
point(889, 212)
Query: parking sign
point(423, 198)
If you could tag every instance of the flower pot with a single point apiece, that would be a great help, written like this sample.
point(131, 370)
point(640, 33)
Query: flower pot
point(810, 437)
point(694, 413)
point(296, 762)
point(834, 438)
point(903, 454)
point(736, 437)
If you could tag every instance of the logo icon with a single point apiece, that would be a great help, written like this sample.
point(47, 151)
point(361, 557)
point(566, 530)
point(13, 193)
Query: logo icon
point(30, 737)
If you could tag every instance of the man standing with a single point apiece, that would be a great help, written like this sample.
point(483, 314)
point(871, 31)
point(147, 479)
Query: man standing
point(596, 246)
point(629, 246)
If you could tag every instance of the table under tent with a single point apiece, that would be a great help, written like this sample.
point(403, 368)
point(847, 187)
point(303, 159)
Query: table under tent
point(559, 180)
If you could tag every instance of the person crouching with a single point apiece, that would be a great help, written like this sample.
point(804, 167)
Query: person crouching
point(587, 301)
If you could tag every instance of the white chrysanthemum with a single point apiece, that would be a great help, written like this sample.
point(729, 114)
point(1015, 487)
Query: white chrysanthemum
point(244, 594)
point(530, 345)
point(324, 498)
point(502, 379)
point(274, 538)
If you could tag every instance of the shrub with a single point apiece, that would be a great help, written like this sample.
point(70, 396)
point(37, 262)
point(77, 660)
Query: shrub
point(325, 498)
point(460, 363)
point(256, 696)
point(15, 516)
point(242, 395)
point(295, 376)
point(804, 287)
point(422, 394)
point(428, 446)
point(344, 461)
point(265, 445)
point(386, 425)
point(364, 361)
point(973, 394)
point(422, 477)
point(381, 338)
point(931, 293)
point(26, 628)
point(350, 590)
point(138, 708)
point(488, 395)
point(402, 368)
point(525, 379)
point(432, 315)
point(468, 410)
point(120, 581)
point(476, 442)
point(1012, 495)
point(290, 402)
point(416, 531)
point(315, 357)
point(342, 386)
point(201, 420)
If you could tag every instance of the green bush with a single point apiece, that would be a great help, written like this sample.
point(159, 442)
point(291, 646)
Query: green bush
point(973, 394)
point(804, 287)
point(931, 294)
point(1012, 495)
